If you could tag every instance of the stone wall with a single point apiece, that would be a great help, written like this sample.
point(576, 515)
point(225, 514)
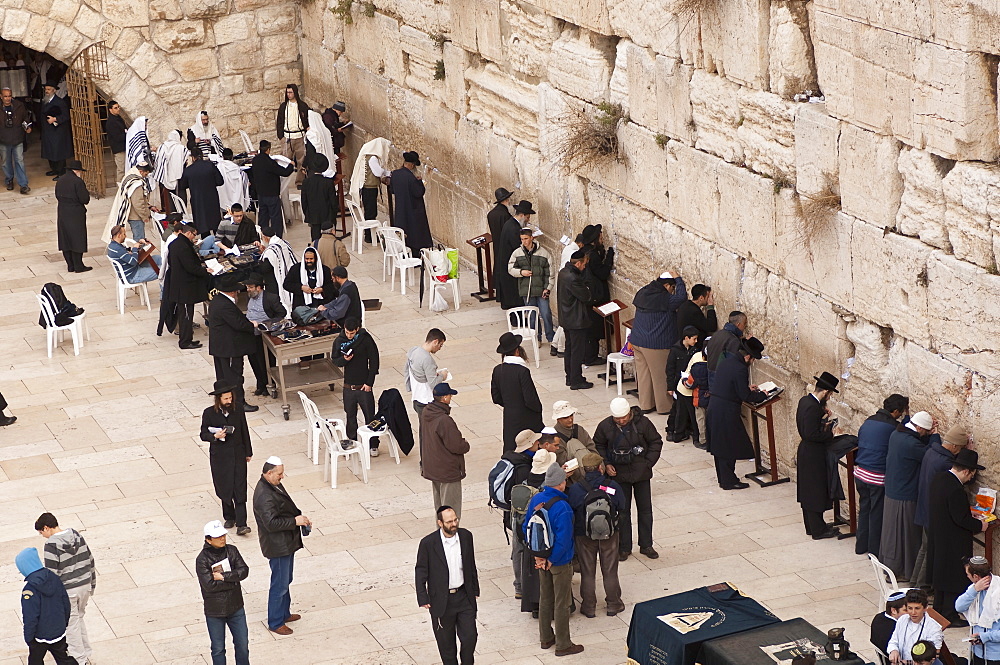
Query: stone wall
point(169, 59)
point(860, 234)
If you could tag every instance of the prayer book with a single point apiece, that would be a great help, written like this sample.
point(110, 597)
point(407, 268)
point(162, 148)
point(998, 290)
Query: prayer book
point(214, 266)
point(223, 566)
point(609, 308)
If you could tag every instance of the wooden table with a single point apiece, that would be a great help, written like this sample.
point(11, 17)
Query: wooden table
point(482, 244)
point(287, 375)
point(759, 469)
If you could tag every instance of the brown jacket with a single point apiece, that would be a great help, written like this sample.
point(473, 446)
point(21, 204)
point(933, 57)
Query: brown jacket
point(577, 443)
point(332, 252)
point(442, 446)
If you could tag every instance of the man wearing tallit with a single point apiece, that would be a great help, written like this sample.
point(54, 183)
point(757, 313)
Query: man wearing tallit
point(131, 206)
point(235, 187)
point(981, 606)
point(370, 170)
point(276, 259)
point(203, 135)
point(171, 159)
point(319, 141)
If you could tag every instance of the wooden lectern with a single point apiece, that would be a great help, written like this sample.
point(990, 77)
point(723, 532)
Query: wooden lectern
point(482, 244)
point(146, 255)
point(759, 468)
point(611, 312)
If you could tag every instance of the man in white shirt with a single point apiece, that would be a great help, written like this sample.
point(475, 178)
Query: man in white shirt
point(448, 586)
point(912, 627)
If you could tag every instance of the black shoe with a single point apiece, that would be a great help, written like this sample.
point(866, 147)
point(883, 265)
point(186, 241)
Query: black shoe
point(70, 269)
point(572, 607)
point(242, 531)
point(51, 172)
point(553, 351)
point(624, 554)
point(85, 269)
point(250, 408)
point(649, 410)
point(649, 552)
point(10, 185)
point(260, 392)
point(737, 486)
point(192, 345)
point(7, 420)
point(534, 615)
point(25, 189)
point(589, 616)
point(829, 533)
point(586, 385)
point(56, 178)
point(229, 524)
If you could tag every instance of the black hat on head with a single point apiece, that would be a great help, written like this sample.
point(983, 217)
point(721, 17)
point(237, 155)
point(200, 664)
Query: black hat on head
point(412, 157)
point(320, 163)
point(339, 106)
point(968, 459)
point(509, 343)
point(253, 279)
point(52, 83)
point(591, 232)
point(74, 165)
point(228, 284)
point(579, 255)
point(221, 387)
point(753, 347)
point(826, 381)
point(502, 195)
point(524, 208)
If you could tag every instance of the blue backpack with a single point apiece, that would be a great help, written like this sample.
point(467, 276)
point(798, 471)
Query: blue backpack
point(501, 479)
point(540, 536)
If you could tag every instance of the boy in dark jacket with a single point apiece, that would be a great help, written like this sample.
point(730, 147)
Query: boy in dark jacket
point(44, 610)
point(355, 350)
point(220, 569)
point(681, 422)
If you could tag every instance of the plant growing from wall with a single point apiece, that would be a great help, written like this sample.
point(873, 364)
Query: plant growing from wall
point(588, 138)
point(342, 10)
point(438, 38)
point(816, 214)
point(439, 70)
point(662, 140)
point(368, 9)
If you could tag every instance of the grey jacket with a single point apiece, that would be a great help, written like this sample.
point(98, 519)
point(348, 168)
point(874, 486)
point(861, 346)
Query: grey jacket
point(421, 362)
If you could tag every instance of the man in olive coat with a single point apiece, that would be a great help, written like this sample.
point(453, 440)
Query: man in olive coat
point(71, 216)
point(228, 454)
point(186, 283)
point(816, 431)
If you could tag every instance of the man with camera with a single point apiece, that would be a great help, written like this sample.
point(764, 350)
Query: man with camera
point(224, 428)
point(630, 445)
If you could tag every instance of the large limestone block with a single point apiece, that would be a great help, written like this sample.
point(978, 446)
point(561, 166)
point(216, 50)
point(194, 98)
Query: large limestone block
point(64, 11)
point(870, 183)
point(618, 87)
point(196, 65)
point(792, 67)
point(590, 14)
point(38, 33)
point(475, 26)
point(235, 58)
point(629, 229)
point(145, 60)
point(747, 212)
point(963, 314)
point(581, 64)
point(821, 334)
point(471, 170)
point(507, 104)
point(126, 13)
point(531, 35)
point(437, 144)
point(815, 247)
point(374, 44)
point(207, 8)
point(879, 365)
point(89, 22)
point(276, 19)
point(641, 72)
point(673, 98)
point(890, 280)
point(367, 96)
point(735, 40)
point(15, 23)
point(922, 205)
point(232, 28)
point(650, 24)
point(168, 10)
point(502, 169)
point(66, 43)
point(769, 302)
point(280, 49)
point(767, 132)
point(641, 175)
point(693, 183)
point(429, 17)
point(716, 111)
point(176, 36)
point(937, 383)
point(456, 62)
point(972, 211)
point(817, 138)
point(422, 54)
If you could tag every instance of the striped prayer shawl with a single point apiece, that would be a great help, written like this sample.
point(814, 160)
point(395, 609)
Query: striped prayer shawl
point(137, 144)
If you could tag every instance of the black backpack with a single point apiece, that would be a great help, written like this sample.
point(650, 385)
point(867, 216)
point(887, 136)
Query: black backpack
point(63, 308)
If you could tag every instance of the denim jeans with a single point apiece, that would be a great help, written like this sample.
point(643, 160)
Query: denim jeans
point(138, 228)
point(237, 622)
point(279, 598)
point(145, 273)
point(13, 164)
point(546, 312)
point(208, 246)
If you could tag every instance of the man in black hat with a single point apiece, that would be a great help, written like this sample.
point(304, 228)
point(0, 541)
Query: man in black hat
point(510, 240)
point(71, 216)
point(500, 213)
point(729, 441)
point(410, 213)
point(224, 428)
point(514, 391)
point(231, 337)
point(338, 121)
point(815, 425)
point(574, 298)
point(185, 283)
point(57, 141)
point(261, 306)
point(598, 274)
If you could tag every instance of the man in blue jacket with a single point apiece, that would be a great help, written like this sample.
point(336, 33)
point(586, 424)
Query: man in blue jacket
point(44, 609)
point(869, 470)
point(654, 331)
point(555, 573)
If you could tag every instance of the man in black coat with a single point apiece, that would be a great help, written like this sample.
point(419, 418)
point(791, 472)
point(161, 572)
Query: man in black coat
point(279, 529)
point(727, 436)
point(319, 198)
point(57, 140)
point(574, 296)
point(316, 288)
point(410, 213)
point(598, 276)
point(229, 453)
point(261, 306)
point(499, 214)
point(355, 350)
point(266, 175)
point(630, 445)
point(952, 526)
point(504, 245)
point(690, 312)
point(221, 592)
point(72, 198)
point(448, 586)
point(348, 303)
point(514, 391)
point(202, 179)
point(115, 129)
point(815, 426)
point(186, 283)
point(231, 337)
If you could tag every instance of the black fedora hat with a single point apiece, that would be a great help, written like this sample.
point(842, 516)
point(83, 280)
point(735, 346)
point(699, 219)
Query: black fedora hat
point(826, 381)
point(968, 459)
point(524, 208)
point(412, 157)
point(590, 233)
point(753, 347)
point(228, 284)
point(221, 388)
point(74, 165)
point(502, 194)
point(509, 343)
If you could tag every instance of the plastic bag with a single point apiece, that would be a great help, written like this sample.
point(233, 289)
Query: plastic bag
point(438, 303)
point(627, 349)
point(440, 266)
point(453, 263)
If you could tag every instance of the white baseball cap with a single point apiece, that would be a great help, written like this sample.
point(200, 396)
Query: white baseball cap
point(214, 529)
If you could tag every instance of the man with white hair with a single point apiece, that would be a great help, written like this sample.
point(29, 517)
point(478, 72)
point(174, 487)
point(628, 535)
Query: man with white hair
point(203, 135)
point(280, 527)
point(14, 128)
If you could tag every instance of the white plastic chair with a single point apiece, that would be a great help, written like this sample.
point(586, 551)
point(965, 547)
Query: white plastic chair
point(400, 259)
point(247, 143)
point(618, 360)
point(526, 322)
point(884, 576)
point(366, 434)
point(333, 433)
point(386, 231)
point(295, 199)
point(361, 225)
point(436, 284)
point(54, 333)
point(124, 285)
point(313, 432)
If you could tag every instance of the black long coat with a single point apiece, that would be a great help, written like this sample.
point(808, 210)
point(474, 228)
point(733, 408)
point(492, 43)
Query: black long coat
point(57, 140)
point(513, 389)
point(393, 409)
point(201, 180)
point(187, 280)
point(504, 246)
point(431, 572)
point(811, 467)
point(495, 218)
point(230, 333)
point(319, 201)
point(409, 210)
point(949, 539)
point(728, 436)
point(228, 457)
point(71, 213)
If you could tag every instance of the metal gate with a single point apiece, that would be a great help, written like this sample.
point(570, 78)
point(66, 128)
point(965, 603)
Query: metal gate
point(85, 120)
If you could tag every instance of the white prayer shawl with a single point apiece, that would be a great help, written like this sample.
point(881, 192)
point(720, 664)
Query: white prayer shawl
point(122, 204)
point(210, 134)
point(164, 248)
point(281, 257)
point(170, 161)
point(319, 136)
point(304, 274)
point(378, 147)
point(989, 613)
point(235, 187)
point(137, 143)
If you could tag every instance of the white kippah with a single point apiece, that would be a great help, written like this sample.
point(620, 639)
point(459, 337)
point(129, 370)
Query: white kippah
point(666, 275)
point(549, 430)
point(275, 460)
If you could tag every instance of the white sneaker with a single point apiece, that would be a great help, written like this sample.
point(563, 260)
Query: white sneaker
point(373, 452)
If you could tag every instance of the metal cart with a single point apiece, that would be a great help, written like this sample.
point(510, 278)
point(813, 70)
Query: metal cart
point(287, 375)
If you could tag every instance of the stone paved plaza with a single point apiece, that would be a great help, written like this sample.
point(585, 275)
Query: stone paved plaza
point(108, 441)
